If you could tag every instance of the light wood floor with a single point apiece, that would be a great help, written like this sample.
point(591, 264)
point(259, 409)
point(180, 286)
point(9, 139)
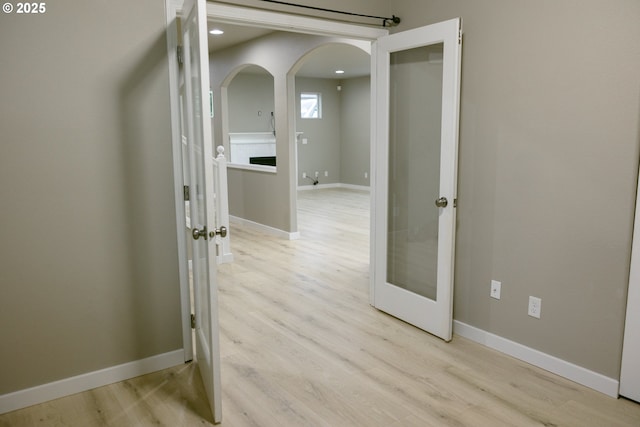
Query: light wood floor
point(302, 347)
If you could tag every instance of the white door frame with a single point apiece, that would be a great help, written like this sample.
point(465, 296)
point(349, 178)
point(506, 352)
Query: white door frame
point(630, 370)
point(256, 18)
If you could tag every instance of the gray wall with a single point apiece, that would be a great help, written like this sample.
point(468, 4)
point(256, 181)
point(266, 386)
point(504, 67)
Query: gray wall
point(355, 132)
point(251, 103)
point(322, 152)
point(548, 168)
point(88, 253)
point(337, 143)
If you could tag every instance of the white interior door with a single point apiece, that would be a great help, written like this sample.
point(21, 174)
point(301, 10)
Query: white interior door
point(417, 78)
point(630, 372)
point(197, 129)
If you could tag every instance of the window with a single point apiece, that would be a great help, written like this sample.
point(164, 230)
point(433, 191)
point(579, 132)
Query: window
point(310, 105)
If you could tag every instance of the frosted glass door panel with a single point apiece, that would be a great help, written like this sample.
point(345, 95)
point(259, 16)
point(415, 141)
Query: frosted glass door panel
point(415, 117)
point(417, 81)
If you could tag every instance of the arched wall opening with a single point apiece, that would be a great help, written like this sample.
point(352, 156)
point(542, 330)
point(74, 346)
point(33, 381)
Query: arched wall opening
point(247, 95)
point(268, 197)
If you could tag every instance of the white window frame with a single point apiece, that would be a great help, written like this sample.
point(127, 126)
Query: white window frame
point(318, 96)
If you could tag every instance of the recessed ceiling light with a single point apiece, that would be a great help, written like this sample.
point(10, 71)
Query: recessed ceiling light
point(216, 32)
point(339, 71)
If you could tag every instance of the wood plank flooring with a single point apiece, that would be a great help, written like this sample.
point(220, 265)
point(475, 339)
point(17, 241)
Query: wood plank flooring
point(301, 346)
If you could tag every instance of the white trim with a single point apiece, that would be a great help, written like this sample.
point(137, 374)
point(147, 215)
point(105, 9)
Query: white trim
point(225, 259)
point(265, 228)
point(318, 186)
point(578, 374)
point(365, 188)
point(630, 369)
point(374, 183)
point(335, 185)
point(90, 380)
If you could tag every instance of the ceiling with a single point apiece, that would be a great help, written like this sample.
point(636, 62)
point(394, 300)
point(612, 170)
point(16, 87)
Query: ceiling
point(322, 63)
point(233, 35)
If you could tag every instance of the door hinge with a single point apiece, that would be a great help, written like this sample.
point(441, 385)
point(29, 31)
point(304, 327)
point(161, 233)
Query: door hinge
point(193, 321)
point(179, 54)
point(186, 193)
point(460, 36)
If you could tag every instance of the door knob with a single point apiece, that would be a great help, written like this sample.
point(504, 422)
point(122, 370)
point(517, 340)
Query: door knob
point(442, 202)
point(199, 233)
point(222, 232)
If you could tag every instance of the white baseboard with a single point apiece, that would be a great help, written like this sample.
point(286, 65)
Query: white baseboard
point(265, 228)
point(356, 187)
point(335, 185)
point(317, 186)
point(45, 392)
point(225, 259)
point(578, 374)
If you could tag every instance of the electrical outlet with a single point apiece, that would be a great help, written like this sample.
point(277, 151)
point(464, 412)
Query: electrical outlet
point(366, 175)
point(495, 289)
point(317, 174)
point(535, 307)
point(326, 173)
point(304, 174)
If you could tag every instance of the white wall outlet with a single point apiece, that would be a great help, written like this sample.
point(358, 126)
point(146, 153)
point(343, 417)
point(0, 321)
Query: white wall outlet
point(317, 174)
point(495, 289)
point(366, 175)
point(326, 173)
point(304, 174)
point(305, 141)
point(535, 307)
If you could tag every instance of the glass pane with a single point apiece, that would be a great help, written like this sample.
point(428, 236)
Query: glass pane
point(310, 106)
point(414, 168)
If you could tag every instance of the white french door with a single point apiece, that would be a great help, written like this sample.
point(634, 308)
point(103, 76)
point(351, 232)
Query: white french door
point(630, 369)
point(197, 130)
point(417, 80)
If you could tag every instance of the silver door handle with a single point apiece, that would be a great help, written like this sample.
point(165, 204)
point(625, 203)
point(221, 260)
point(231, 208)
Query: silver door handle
point(442, 202)
point(199, 233)
point(222, 232)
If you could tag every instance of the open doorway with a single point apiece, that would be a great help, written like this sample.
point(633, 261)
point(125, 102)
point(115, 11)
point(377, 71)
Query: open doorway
point(333, 149)
point(333, 145)
point(270, 199)
point(316, 88)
